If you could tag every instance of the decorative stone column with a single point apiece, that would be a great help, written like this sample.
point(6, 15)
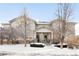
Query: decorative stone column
point(52, 37)
point(49, 37)
point(41, 37)
point(34, 37)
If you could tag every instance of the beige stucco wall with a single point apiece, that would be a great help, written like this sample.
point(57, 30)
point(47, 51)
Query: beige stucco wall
point(32, 27)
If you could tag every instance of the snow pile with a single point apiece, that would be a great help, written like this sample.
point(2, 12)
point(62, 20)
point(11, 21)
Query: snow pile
point(33, 51)
point(38, 43)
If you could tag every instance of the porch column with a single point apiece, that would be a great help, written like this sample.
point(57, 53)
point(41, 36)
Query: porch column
point(49, 36)
point(41, 37)
point(52, 37)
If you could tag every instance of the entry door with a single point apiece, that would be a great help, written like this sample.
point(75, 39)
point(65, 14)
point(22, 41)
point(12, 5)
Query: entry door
point(47, 37)
point(38, 39)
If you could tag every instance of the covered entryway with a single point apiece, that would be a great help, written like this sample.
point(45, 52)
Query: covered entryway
point(44, 35)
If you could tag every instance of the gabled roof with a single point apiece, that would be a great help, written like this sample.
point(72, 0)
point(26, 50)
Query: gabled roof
point(19, 17)
point(55, 20)
point(42, 22)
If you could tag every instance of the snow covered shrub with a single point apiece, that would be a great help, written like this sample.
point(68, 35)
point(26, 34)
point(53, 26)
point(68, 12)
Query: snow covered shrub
point(72, 41)
point(37, 45)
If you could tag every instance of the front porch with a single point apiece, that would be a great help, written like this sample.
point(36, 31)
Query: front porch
point(44, 35)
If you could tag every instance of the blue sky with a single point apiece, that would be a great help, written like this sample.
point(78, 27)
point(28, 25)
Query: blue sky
point(39, 11)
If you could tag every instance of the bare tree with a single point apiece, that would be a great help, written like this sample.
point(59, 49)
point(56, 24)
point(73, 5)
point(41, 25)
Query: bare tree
point(22, 24)
point(1, 36)
point(25, 27)
point(64, 12)
point(4, 35)
point(12, 34)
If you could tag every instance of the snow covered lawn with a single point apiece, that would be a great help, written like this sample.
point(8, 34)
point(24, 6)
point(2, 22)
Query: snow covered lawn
point(20, 50)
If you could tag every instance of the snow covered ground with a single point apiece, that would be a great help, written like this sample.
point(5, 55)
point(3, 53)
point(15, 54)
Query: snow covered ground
point(20, 50)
